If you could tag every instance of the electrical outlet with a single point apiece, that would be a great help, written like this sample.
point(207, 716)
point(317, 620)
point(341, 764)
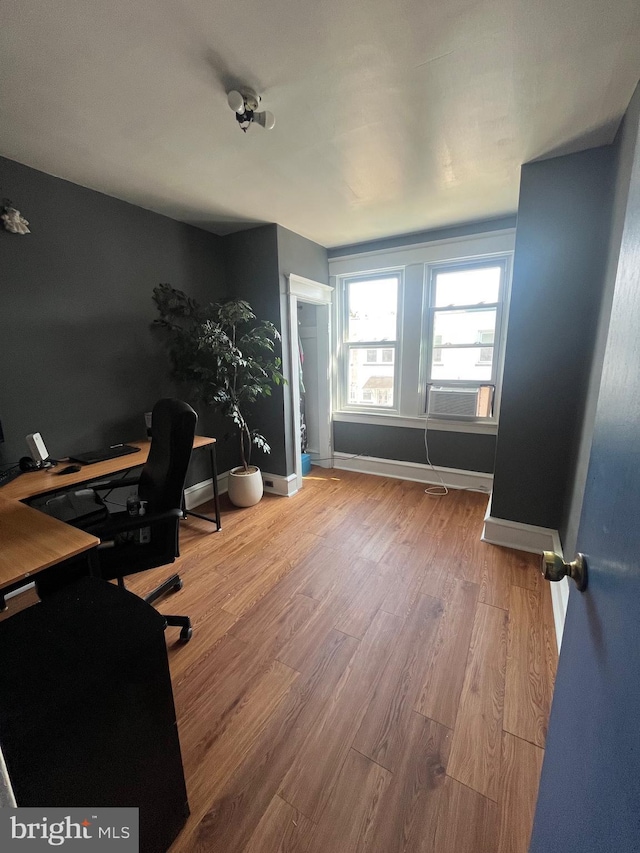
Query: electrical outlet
point(269, 483)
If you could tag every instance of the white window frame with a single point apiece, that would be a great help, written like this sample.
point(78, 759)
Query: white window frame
point(414, 261)
point(345, 346)
point(428, 314)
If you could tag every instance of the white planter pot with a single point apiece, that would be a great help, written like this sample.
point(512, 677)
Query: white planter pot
point(245, 487)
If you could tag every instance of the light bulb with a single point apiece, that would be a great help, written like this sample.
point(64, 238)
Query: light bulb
point(266, 119)
point(236, 101)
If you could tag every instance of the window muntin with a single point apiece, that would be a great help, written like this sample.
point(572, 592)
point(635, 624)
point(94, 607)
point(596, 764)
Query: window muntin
point(371, 311)
point(486, 336)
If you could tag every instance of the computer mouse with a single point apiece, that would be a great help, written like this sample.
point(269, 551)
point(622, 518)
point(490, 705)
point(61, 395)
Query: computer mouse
point(70, 469)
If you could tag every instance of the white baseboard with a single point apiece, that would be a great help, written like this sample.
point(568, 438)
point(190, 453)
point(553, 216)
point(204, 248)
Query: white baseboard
point(202, 492)
point(284, 486)
point(317, 459)
point(453, 478)
point(559, 601)
point(535, 540)
point(516, 534)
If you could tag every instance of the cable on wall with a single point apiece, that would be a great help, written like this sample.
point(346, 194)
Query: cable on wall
point(434, 491)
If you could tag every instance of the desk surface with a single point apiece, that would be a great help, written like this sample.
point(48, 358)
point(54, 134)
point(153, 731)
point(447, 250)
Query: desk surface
point(40, 482)
point(31, 541)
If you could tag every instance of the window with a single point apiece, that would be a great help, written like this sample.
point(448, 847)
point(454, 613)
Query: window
point(371, 313)
point(420, 329)
point(486, 353)
point(463, 321)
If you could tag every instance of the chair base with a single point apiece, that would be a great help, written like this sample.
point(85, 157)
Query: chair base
point(182, 622)
point(172, 584)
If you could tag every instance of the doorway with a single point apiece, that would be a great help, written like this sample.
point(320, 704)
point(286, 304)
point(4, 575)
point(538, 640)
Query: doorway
point(310, 359)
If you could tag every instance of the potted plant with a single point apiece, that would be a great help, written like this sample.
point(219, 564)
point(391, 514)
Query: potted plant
point(228, 361)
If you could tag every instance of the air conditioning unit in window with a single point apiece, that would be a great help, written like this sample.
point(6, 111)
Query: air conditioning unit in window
point(453, 402)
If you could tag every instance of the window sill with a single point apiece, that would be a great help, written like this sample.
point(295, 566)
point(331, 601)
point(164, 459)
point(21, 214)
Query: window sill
point(384, 419)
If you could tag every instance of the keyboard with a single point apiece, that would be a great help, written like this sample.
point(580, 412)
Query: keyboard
point(8, 476)
point(103, 454)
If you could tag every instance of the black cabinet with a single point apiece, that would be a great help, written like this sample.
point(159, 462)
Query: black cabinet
point(86, 708)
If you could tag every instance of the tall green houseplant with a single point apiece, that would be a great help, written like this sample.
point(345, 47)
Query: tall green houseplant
point(223, 355)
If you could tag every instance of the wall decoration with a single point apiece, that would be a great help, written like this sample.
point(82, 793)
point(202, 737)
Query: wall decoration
point(13, 220)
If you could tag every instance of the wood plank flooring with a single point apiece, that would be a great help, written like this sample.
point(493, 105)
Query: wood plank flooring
point(365, 674)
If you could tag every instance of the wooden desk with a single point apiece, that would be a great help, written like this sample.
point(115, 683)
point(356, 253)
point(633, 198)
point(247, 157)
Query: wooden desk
point(31, 541)
point(40, 482)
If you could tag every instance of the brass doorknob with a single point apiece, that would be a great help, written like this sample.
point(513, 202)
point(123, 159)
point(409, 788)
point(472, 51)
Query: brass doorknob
point(554, 568)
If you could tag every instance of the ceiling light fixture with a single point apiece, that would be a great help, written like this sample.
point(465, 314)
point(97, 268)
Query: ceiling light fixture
point(245, 105)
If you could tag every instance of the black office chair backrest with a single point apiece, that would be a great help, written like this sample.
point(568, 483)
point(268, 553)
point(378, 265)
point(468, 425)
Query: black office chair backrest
point(173, 426)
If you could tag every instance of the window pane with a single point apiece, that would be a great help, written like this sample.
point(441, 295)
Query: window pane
point(373, 306)
point(464, 327)
point(461, 363)
point(370, 382)
point(467, 286)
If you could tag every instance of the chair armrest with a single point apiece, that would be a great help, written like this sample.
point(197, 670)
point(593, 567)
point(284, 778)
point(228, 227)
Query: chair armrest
point(106, 485)
point(122, 523)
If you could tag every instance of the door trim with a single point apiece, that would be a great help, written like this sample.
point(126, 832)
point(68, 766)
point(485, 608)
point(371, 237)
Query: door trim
point(314, 292)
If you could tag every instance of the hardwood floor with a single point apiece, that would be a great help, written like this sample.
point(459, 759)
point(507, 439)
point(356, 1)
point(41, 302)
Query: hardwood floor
point(365, 674)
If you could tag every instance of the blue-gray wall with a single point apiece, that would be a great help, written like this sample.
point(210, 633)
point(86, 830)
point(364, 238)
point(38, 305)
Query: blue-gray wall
point(592, 744)
point(558, 282)
point(625, 149)
point(79, 361)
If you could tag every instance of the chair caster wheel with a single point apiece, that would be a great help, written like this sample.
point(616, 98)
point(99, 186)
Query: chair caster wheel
point(177, 586)
point(186, 634)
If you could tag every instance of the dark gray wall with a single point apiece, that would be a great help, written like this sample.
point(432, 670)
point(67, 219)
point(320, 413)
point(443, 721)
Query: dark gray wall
point(299, 256)
point(625, 150)
point(558, 281)
point(463, 450)
point(296, 256)
point(79, 361)
point(449, 233)
point(251, 263)
point(467, 451)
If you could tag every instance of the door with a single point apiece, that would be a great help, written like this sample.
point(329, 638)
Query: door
point(589, 800)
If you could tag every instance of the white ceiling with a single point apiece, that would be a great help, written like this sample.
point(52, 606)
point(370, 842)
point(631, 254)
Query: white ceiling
point(392, 115)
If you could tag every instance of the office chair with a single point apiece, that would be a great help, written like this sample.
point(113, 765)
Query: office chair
point(132, 544)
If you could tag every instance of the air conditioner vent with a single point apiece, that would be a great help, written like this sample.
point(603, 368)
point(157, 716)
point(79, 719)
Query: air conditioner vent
point(453, 402)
